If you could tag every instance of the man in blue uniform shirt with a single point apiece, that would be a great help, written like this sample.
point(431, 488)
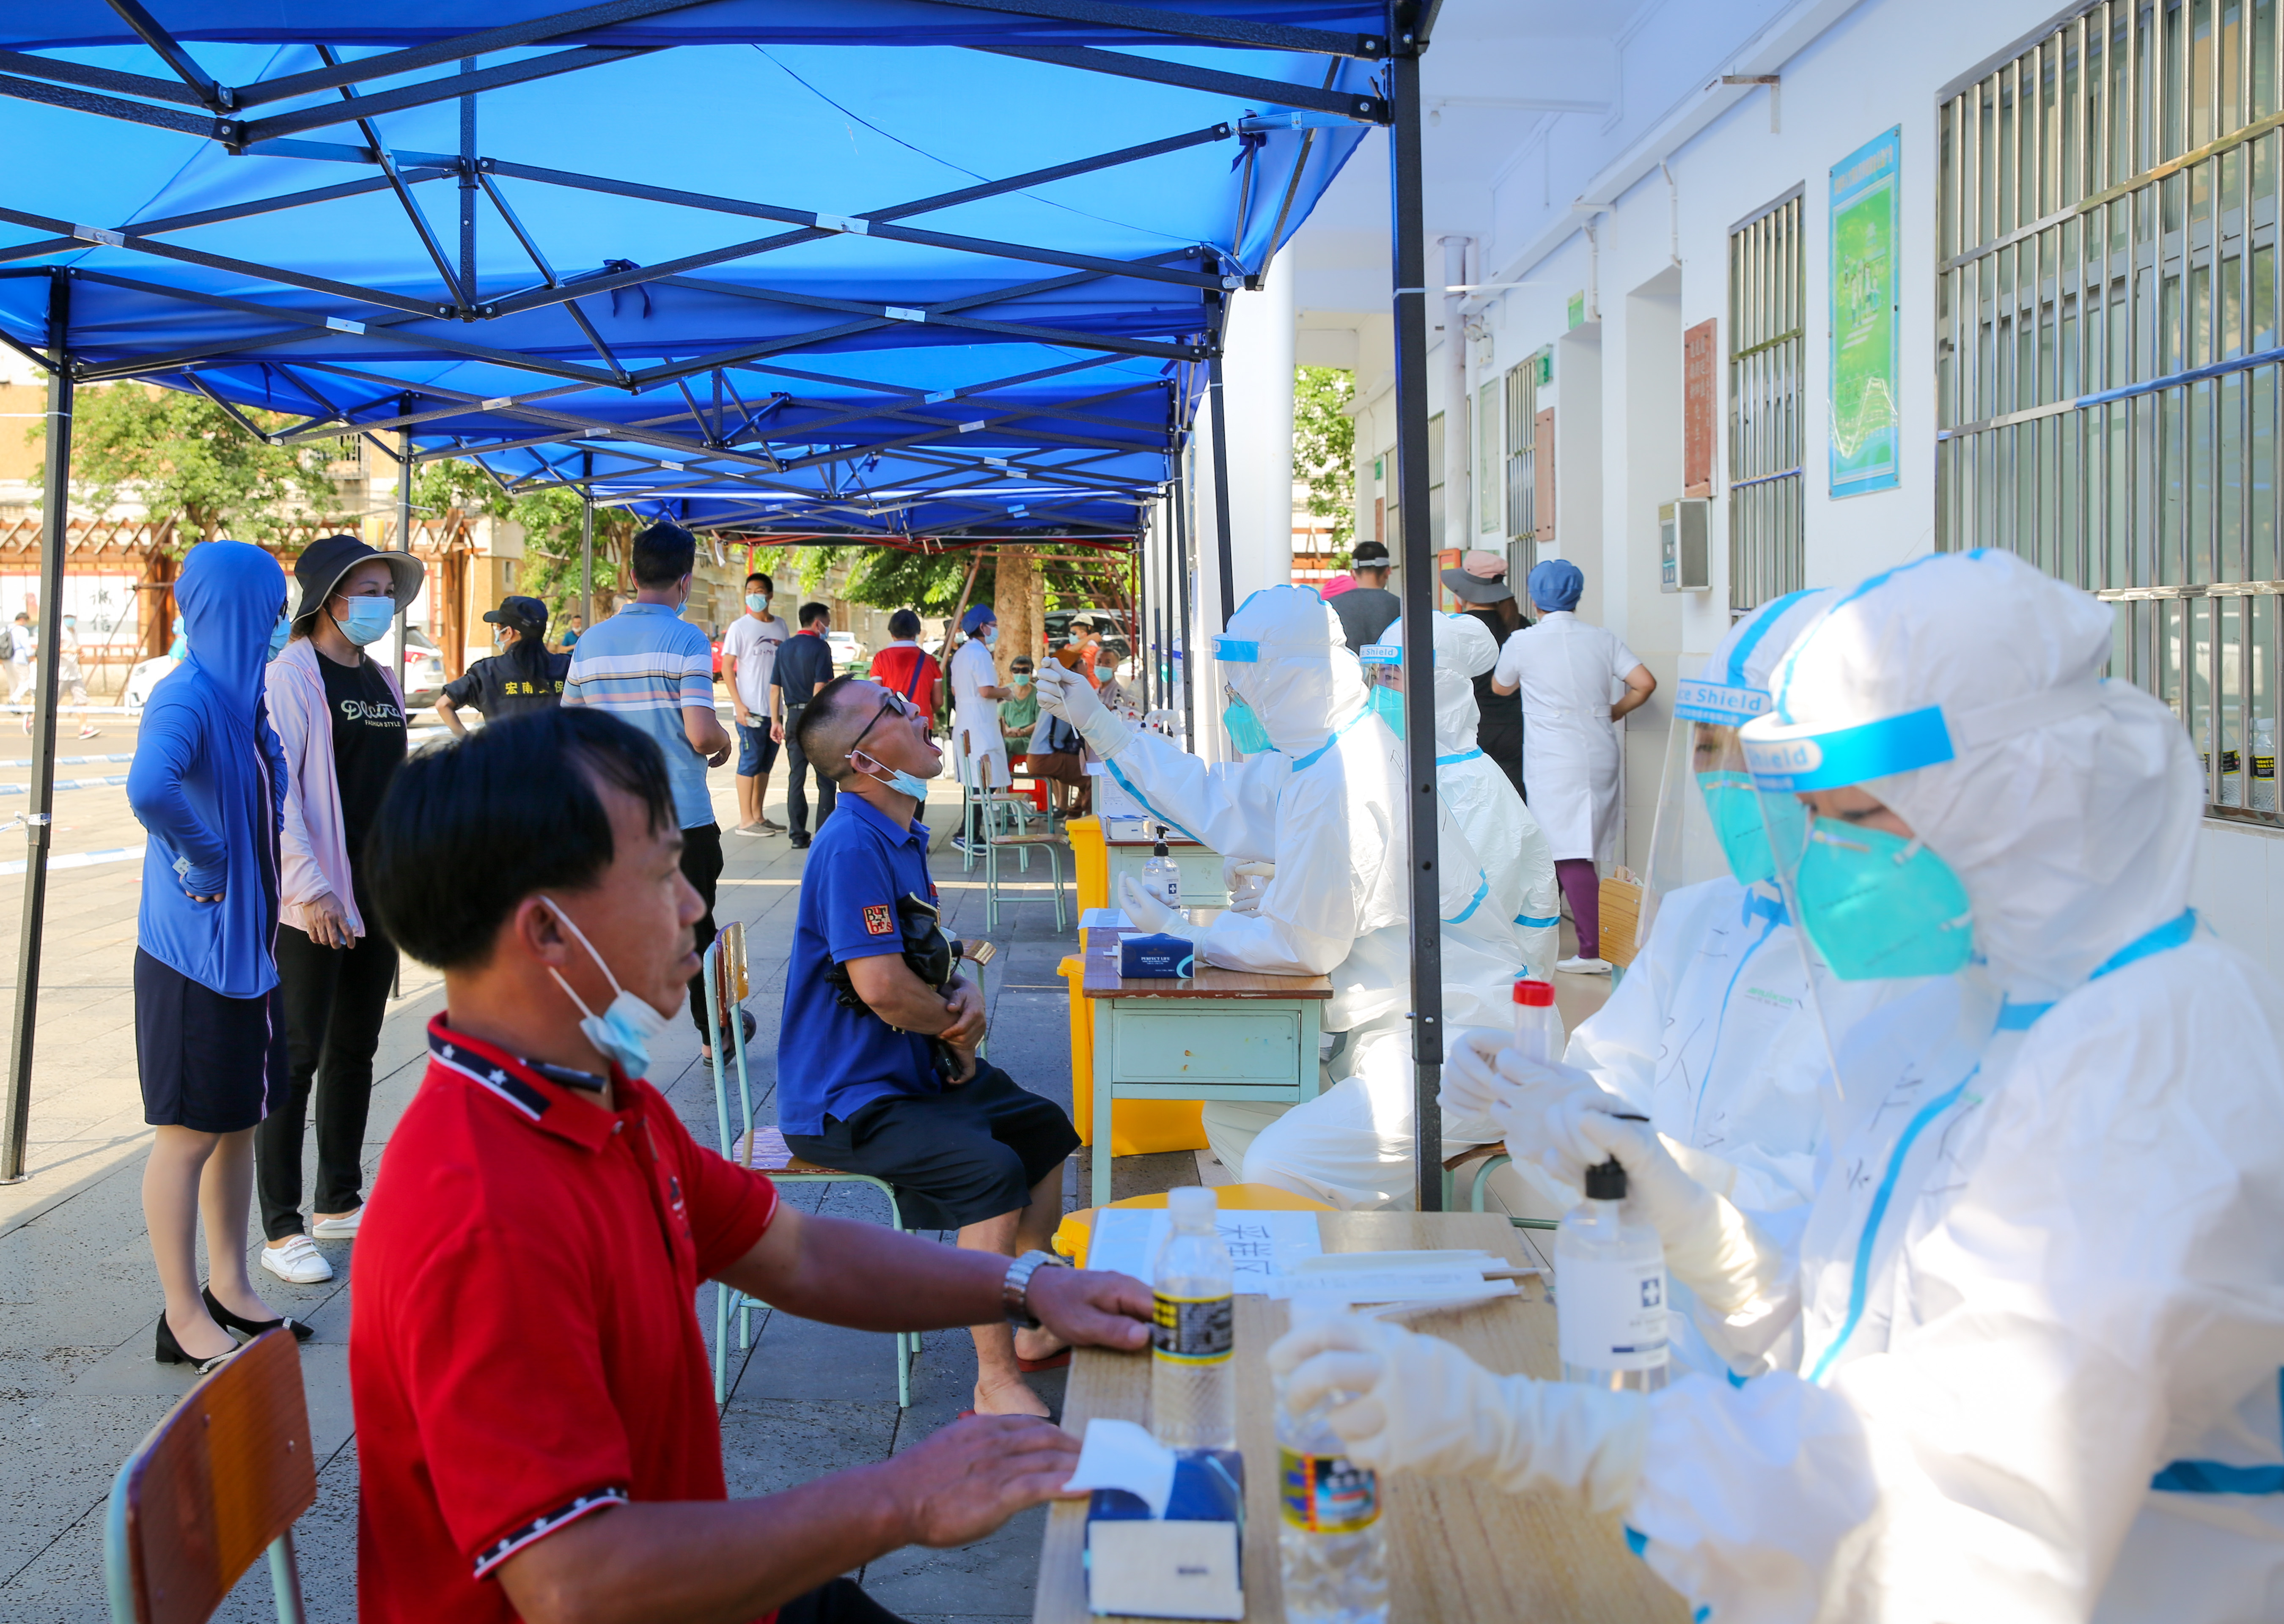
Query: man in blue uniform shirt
point(877, 1071)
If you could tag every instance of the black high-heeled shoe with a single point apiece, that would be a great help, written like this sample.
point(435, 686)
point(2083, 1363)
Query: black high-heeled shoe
point(227, 1321)
point(170, 1352)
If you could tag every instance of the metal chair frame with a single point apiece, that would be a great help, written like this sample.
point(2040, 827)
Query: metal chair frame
point(725, 957)
point(995, 803)
point(1023, 843)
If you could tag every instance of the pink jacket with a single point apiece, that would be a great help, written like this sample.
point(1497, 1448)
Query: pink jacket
point(313, 853)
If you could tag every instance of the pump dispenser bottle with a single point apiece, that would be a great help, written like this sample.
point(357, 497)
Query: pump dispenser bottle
point(1609, 1283)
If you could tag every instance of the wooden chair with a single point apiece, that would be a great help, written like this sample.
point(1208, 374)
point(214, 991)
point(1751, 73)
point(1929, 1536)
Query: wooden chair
point(994, 843)
point(1487, 1159)
point(221, 1479)
point(727, 985)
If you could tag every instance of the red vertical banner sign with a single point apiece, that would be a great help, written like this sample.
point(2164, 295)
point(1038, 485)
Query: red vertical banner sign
point(1697, 407)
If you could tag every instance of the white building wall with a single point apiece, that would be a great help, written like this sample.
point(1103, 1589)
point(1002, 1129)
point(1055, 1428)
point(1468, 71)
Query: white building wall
point(1657, 264)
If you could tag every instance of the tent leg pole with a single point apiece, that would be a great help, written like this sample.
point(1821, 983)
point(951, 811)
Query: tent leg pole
point(1183, 575)
point(1407, 232)
point(55, 536)
point(587, 545)
point(1221, 493)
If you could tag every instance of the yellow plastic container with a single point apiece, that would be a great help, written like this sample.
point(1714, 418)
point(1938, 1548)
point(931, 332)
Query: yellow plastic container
point(1090, 860)
point(1077, 1229)
point(1138, 1127)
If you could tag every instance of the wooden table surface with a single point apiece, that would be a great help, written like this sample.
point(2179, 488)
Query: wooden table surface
point(1458, 1552)
point(1101, 978)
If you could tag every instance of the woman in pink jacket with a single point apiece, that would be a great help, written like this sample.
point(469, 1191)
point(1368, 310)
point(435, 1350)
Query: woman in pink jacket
point(341, 717)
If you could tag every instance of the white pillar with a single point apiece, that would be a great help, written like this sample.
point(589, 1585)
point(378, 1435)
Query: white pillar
point(1459, 417)
point(1257, 378)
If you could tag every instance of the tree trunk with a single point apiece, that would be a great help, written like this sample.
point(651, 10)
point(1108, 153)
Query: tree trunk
point(1017, 599)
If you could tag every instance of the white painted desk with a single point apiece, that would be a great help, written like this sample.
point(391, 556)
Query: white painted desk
point(1218, 1035)
point(1200, 865)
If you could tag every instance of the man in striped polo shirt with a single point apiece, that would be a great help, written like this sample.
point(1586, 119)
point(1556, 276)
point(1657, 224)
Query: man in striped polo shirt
point(654, 671)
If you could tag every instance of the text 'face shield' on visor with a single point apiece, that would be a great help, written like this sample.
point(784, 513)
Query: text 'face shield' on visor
point(1876, 904)
point(1383, 674)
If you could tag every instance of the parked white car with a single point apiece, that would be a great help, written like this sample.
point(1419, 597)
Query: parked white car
point(143, 679)
point(424, 675)
point(848, 653)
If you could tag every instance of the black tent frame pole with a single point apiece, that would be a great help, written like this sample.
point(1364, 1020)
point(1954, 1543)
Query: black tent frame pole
point(587, 545)
point(55, 536)
point(1407, 231)
point(1221, 492)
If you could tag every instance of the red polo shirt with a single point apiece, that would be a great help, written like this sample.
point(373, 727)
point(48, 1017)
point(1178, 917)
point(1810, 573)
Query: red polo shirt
point(525, 1346)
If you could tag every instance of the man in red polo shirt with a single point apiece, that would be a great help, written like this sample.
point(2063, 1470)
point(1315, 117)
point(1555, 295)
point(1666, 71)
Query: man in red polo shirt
point(536, 1429)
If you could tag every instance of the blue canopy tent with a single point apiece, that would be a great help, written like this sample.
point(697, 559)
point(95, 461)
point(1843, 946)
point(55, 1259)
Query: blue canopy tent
point(900, 264)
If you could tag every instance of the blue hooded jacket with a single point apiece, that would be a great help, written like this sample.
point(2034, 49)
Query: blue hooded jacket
point(208, 780)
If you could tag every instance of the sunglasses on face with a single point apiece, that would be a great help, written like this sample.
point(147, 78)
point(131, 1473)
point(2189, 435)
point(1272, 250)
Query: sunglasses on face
point(896, 702)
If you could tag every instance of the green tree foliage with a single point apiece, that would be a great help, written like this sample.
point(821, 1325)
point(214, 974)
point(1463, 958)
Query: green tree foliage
point(1323, 446)
point(550, 518)
point(881, 577)
point(188, 462)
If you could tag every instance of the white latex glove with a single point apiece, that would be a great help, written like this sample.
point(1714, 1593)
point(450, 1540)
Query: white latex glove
point(1235, 871)
point(1536, 1105)
point(1067, 694)
point(1404, 1402)
point(1149, 913)
point(1710, 1247)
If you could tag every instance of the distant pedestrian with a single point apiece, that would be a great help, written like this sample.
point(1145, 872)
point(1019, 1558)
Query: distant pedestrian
point(1480, 583)
point(975, 696)
point(803, 666)
point(1565, 670)
point(209, 783)
point(749, 651)
point(71, 681)
point(23, 648)
point(573, 625)
point(1368, 608)
point(907, 668)
point(340, 718)
point(654, 671)
point(519, 676)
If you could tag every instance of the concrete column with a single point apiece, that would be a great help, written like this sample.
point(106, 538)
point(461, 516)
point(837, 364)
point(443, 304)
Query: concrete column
point(1257, 378)
point(1458, 417)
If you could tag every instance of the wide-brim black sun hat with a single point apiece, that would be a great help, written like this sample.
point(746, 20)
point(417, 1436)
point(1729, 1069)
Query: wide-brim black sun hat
point(323, 563)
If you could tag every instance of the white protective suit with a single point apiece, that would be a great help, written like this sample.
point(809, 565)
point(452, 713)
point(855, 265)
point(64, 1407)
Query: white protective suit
point(2040, 1291)
point(1325, 805)
point(1518, 863)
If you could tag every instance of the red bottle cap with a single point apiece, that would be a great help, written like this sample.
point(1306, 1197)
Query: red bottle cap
point(1538, 995)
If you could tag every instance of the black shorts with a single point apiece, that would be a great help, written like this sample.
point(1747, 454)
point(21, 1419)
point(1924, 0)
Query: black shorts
point(954, 1159)
point(209, 1062)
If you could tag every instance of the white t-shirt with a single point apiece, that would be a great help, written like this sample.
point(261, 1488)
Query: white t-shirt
point(754, 644)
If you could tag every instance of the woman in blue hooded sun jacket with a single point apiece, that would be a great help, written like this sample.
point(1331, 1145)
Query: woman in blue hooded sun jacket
point(208, 783)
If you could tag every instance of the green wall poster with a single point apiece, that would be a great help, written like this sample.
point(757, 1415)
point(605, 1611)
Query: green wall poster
point(1866, 437)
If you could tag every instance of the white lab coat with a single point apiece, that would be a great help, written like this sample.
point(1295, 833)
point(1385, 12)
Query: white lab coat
point(1568, 673)
point(974, 719)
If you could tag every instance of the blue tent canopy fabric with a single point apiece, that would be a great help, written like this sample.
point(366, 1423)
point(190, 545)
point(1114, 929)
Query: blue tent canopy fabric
point(749, 241)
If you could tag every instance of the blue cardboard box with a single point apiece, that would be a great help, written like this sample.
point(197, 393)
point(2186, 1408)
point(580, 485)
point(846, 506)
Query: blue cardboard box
point(1187, 1565)
point(1161, 957)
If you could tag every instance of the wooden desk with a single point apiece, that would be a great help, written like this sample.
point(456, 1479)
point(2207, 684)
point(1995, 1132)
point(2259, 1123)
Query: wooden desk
point(1200, 865)
point(1218, 1035)
point(1458, 1552)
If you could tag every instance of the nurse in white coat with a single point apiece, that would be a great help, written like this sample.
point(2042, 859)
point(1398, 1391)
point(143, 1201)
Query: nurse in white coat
point(976, 693)
point(1567, 672)
point(2040, 1293)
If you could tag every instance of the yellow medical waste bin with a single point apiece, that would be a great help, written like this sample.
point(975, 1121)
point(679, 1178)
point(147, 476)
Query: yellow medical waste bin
point(1138, 1127)
point(1091, 859)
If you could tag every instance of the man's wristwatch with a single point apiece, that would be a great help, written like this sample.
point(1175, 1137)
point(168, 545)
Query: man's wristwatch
point(1015, 1290)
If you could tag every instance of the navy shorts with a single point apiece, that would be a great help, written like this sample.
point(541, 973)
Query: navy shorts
point(757, 752)
point(208, 1063)
point(954, 1159)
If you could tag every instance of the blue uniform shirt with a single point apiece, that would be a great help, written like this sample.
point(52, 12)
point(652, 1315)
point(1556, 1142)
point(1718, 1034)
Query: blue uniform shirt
point(833, 1061)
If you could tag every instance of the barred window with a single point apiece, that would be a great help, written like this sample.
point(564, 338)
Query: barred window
point(1521, 459)
point(2107, 364)
point(1768, 296)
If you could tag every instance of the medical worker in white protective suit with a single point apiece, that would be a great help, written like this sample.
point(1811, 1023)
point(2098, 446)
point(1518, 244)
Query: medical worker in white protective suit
point(1518, 863)
point(2040, 1288)
point(1318, 803)
point(1713, 1034)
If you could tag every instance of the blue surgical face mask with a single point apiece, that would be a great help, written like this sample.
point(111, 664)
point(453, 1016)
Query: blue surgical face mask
point(279, 635)
point(622, 1033)
point(758, 602)
point(1878, 905)
point(903, 782)
point(1387, 704)
point(1735, 807)
point(369, 619)
point(1245, 729)
point(990, 636)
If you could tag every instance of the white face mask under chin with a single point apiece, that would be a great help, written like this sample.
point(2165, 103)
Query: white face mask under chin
point(622, 1033)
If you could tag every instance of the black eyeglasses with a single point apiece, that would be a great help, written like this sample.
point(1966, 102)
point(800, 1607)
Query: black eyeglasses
point(893, 702)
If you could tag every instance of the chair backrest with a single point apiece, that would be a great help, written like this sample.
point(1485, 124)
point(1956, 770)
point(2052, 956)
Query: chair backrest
point(217, 1482)
point(728, 981)
point(734, 983)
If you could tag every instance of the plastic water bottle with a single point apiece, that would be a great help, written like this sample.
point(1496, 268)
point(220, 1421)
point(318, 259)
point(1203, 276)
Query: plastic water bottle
point(1609, 1277)
point(1538, 1024)
point(1161, 876)
point(1193, 1382)
point(1329, 1534)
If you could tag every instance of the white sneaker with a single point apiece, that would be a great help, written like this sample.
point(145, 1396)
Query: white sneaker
point(344, 1228)
point(298, 1261)
point(1584, 966)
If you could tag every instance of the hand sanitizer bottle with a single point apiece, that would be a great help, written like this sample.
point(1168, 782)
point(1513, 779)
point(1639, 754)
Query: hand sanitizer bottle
point(1161, 877)
point(1609, 1281)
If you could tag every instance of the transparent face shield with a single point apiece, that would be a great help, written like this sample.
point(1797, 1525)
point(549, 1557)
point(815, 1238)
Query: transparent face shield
point(1383, 678)
point(1709, 816)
